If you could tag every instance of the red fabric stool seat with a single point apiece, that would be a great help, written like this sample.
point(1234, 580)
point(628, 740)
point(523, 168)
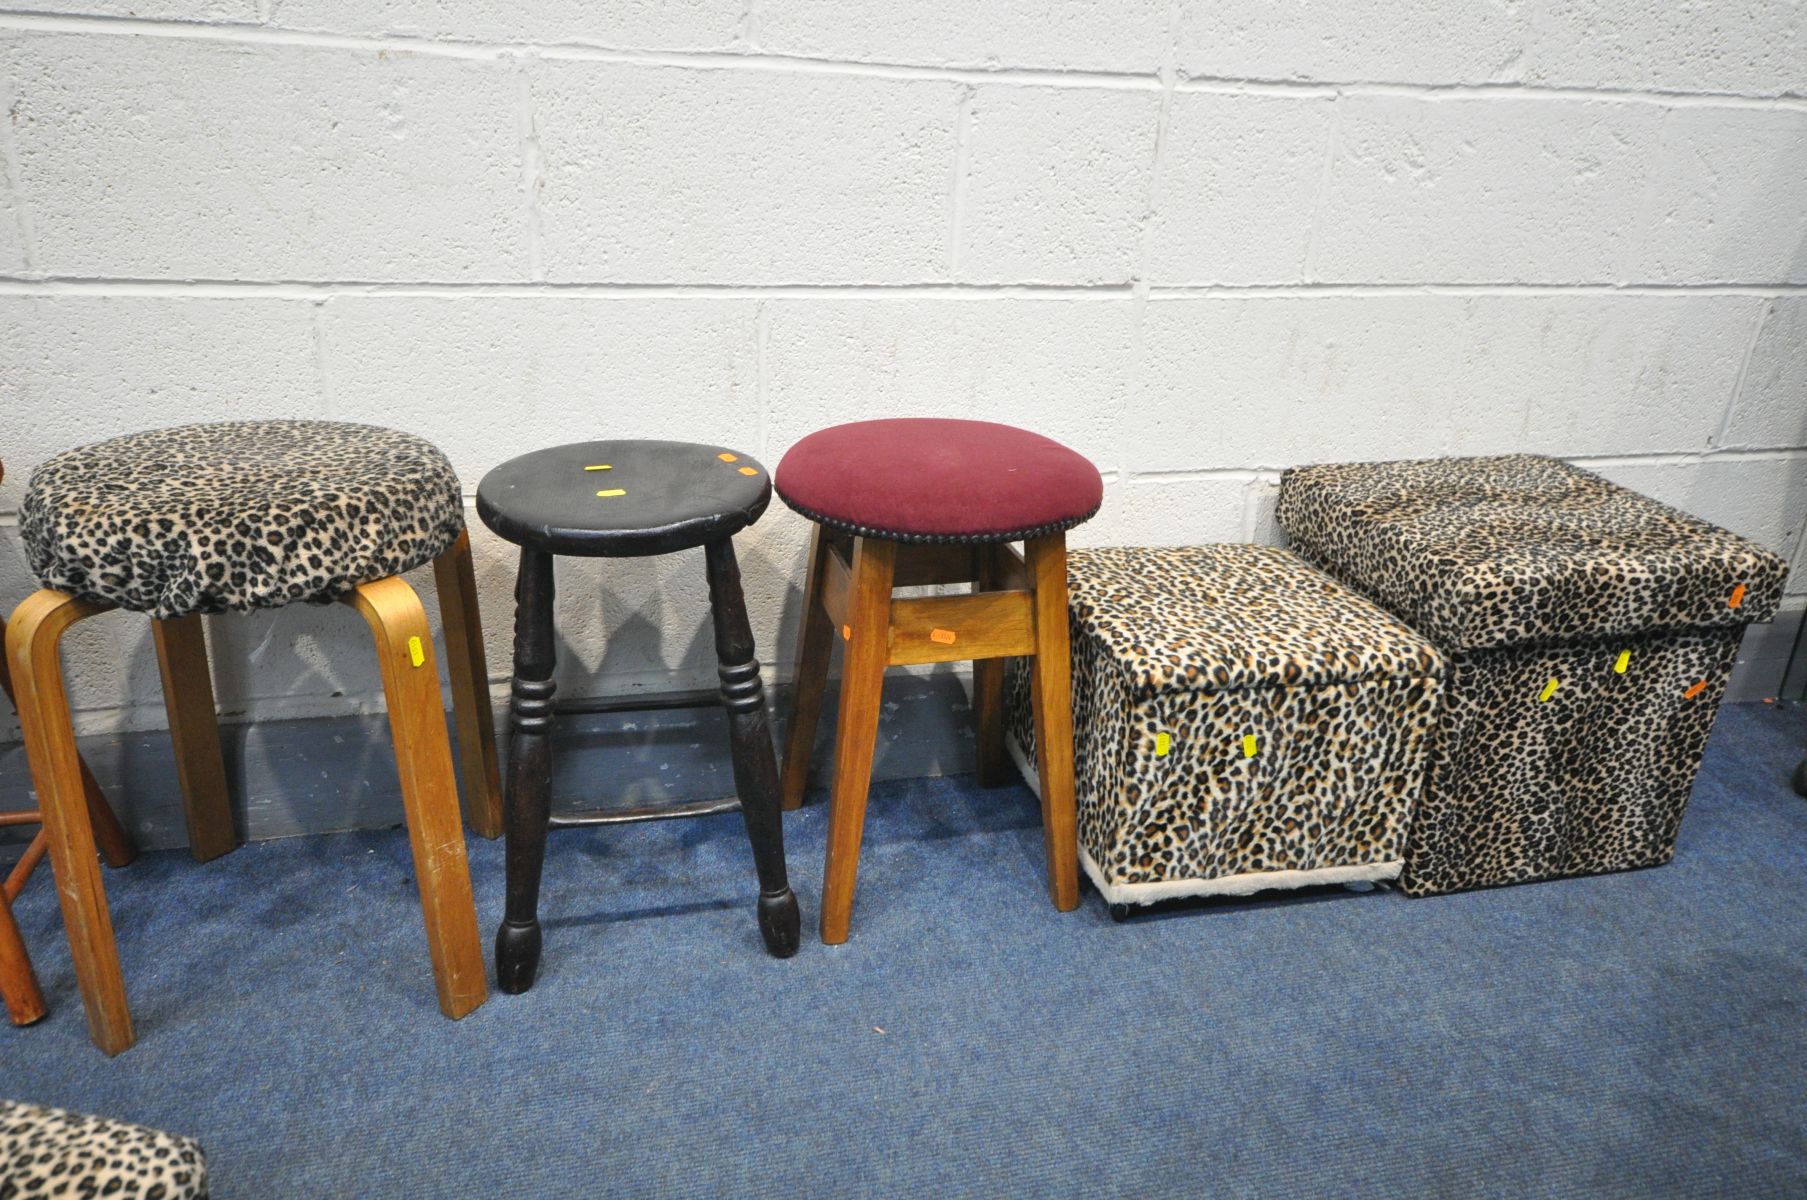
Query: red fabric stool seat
point(929, 479)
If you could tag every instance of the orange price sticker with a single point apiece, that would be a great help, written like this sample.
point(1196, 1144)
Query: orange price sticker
point(726, 457)
point(1696, 690)
point(846, 633)
point(748, 471)
point(1737, 597)
point(944, 636)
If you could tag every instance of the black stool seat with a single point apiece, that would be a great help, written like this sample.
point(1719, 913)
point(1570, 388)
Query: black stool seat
point(624, 498)
point(629, 499)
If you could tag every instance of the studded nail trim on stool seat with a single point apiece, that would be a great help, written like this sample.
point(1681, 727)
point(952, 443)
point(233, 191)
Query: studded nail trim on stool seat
point(238, 514)
point(928, 479)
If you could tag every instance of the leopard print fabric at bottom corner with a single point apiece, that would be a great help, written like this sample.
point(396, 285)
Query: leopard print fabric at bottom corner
point(46, 1153)
point(238, 514)
point(1170, 802)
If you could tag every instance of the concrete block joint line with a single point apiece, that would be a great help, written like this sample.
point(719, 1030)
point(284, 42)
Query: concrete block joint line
point(1199, 243)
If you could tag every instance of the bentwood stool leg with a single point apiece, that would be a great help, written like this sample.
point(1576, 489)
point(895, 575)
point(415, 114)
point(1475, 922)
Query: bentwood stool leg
point(528, 806)
point(755, 769)
point(32, 638)
point(116, 846)
point(1051, 697)
point(456, 581)
point(423, 759)
point(856, 733)
point(195, 732)
point(815, 645)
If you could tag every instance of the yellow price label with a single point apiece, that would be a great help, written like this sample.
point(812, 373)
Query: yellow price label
point(416, 652)
point(1248, 745)
point(1624, 661)
point(600, 467)
point(1163, 742)
point(1549, 689)
point(612, 492)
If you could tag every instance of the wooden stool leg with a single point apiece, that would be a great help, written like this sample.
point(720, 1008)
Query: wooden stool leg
point(117, 849)
point(32, 638)
point(528, 804)
point(815, 645)
point(856, 733)
point(423, 758)
point(194, 728)
point(456, 582)
point(988, 692)
point(18, 982)
point(755, 769)
point(116, 845)
point(1051, 689)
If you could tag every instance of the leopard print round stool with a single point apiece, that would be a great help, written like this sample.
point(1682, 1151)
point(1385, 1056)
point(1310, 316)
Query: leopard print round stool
point(199, 519)
point(47, 1152)
point(238, 515)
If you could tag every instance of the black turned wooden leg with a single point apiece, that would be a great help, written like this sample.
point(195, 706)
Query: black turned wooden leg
point(755, 766)
point(528, 801)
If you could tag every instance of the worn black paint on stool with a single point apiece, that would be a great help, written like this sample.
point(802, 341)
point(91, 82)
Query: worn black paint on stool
point(674, 496)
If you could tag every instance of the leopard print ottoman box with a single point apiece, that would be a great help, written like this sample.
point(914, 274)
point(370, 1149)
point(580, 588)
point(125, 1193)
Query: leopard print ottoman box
point(1590, 632)
point(1242, 721)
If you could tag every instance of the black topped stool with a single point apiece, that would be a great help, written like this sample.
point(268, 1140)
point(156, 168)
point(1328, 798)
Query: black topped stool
point(628, 499)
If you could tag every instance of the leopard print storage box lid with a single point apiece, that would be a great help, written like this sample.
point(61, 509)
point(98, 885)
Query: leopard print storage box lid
point(1242, 721)
point(1522, 549)
point(238, 514)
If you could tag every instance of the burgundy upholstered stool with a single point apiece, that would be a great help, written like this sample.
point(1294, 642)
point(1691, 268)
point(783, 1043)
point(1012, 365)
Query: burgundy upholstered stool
point(912, 501)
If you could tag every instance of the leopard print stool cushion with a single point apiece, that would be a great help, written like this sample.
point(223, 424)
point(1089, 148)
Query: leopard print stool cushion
point(46, 1152)
point(1591, 632)
point(238, 515)
point(1242, 721)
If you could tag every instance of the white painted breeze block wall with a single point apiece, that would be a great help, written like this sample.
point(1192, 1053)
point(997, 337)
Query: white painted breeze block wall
point(1199, 240)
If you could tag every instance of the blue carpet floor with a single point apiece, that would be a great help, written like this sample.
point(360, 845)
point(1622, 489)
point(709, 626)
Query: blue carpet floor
point(1637, 1035)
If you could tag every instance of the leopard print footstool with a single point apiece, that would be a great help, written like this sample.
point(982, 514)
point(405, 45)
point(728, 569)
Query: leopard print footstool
point(1591, 632)
point(47, 1152)
point(1242, 722)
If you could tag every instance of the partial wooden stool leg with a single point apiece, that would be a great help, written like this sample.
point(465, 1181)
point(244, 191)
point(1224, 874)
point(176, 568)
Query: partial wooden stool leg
point(194, 728)
point(988, 692)
point(18, 982)
point(528, 805)
point(856, 733)
point(117, 849)
point(815, 645)
point(755, 769)
point(456, 582)
point(423, 758)
point(1051, 693)
point(32, 638)
point(116, 845)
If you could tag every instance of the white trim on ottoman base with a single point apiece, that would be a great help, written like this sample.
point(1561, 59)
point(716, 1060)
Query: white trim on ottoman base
point(1246, 884)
